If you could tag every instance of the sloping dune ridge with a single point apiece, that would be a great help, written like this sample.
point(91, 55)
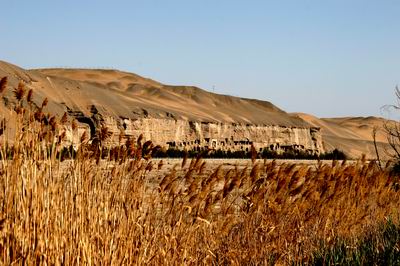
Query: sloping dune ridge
point(353, 135)
point(122, 94)
point(127, 95)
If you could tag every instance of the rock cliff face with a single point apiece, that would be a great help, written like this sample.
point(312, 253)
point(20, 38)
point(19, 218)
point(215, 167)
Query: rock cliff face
point(192, 135)
point(177, 117)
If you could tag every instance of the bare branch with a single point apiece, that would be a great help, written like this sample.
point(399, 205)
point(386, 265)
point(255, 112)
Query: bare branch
point(374, 131)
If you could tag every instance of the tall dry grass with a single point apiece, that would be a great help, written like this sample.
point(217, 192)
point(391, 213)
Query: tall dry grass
point(110, 211)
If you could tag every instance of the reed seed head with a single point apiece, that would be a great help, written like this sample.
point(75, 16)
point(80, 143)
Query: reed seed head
point(29, 96)
point(3, 84)
point(19, 92)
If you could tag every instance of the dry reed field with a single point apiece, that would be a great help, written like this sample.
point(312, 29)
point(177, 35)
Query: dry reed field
point(119, 208)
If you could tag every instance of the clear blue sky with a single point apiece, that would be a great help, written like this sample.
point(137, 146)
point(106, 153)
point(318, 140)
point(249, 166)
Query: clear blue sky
point(328, 58)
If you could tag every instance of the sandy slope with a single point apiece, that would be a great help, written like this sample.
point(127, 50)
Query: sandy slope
point(122, 94)
point(353, 135)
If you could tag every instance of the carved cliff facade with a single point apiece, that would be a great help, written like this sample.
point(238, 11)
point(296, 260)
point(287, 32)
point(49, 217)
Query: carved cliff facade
point(192, 135)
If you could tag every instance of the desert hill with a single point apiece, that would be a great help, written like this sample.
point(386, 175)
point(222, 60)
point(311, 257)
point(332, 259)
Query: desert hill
point(353, 135)
point(126, 95)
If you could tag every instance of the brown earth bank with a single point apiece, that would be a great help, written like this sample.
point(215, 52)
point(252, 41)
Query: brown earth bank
point(184, 117)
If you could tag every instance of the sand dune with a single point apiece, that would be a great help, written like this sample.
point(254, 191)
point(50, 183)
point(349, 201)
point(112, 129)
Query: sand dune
point(122, 94)
point(353, 135)
point(113, 79)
